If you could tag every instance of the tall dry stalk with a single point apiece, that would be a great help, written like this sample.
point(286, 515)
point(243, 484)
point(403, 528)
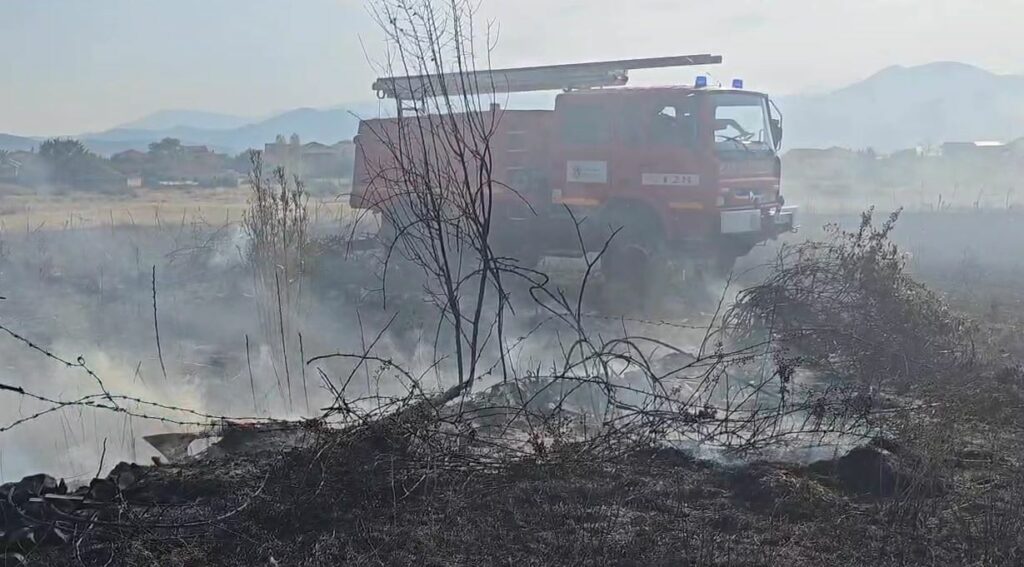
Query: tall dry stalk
point(277, 224)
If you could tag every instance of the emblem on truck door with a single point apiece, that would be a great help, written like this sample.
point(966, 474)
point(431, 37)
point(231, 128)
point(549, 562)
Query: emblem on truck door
point(586, 171)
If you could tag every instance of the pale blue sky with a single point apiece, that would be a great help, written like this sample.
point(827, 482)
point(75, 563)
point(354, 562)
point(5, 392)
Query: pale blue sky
point(70, 66)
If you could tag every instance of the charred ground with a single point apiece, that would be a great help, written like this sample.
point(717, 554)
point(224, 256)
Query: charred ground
point(935, 479)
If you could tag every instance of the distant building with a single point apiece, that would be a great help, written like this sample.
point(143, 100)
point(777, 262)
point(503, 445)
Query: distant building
point(282, 152)
point(129, 156)
point(20, 167)
point(982, 149)
point(175, 165)
point(22, 156)
point(130, 162)
point(346, 148)
point(312, 160)
point(9, 168)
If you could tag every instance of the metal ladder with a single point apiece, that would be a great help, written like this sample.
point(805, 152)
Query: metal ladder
point(566, 77)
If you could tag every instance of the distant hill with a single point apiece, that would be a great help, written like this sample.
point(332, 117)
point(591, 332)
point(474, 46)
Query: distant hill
point(327, 126)
point(902, 107)
point(17, 143)
point(166, 119)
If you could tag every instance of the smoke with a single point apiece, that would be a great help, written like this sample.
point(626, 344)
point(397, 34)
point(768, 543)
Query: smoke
point(88, 295)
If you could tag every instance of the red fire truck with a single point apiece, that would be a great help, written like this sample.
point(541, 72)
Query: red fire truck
point(682, 172)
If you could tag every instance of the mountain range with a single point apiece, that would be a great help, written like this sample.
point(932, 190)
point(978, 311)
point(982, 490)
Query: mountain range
point(166, 119)
point(896, 108)
point(904, 107)
point(319, 125)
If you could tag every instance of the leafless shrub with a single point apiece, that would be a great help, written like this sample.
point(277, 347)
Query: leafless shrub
point(435, 189)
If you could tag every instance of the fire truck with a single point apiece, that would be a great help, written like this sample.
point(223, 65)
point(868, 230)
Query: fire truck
point(686, 172)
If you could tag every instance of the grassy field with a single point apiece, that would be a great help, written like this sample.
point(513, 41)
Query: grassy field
point(21, 211)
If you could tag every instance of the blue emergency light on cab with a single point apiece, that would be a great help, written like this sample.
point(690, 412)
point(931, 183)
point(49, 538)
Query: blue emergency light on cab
point(737, 83)
point(701, 82)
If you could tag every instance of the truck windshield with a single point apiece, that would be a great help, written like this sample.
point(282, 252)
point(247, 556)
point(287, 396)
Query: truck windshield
point(742, 123)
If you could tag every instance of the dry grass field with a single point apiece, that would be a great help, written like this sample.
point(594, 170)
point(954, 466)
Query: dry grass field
point(23, 211)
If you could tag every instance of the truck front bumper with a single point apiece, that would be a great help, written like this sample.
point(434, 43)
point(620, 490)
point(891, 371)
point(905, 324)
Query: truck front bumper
point(769, 222)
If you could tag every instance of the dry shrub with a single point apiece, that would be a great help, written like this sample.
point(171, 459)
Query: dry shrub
point(848, 309)
point(846, 306)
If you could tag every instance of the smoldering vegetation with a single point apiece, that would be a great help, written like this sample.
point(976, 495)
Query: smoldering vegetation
point(831, 344)
point(826, 398)
point(87, 295)
point(821, 398)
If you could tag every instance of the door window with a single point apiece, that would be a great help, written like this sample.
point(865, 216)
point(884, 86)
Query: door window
point(585, 125)
point(671, 125)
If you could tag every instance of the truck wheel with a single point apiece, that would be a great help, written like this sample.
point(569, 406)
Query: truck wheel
point(387, 233)
point(633, 266)
point(723, 264)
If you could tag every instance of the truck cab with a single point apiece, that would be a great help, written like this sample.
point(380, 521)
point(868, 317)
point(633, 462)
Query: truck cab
point(700, 163)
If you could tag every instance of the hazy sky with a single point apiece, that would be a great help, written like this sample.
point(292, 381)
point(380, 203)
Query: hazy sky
point(70, 66)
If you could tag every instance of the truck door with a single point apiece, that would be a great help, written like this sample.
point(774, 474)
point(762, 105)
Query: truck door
point(658, 161)
point(748, 165)
point(585, 140)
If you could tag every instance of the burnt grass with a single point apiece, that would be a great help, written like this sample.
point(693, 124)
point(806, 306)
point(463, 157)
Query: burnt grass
point(364, 497)
point(369, 496)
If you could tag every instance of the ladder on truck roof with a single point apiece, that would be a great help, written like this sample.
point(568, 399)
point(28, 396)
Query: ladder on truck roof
point(525, 79)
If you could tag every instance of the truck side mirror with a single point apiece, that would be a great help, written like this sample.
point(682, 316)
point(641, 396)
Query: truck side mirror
point(776, 125)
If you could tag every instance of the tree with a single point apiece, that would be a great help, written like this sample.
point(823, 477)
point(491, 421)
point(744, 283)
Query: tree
point(56, 150)
point(63, 157)
point(166, 146)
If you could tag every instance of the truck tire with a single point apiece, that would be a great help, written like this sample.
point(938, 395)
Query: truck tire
point(722, 265)
point(387, 232)
point(633, 266)
point(722, 262)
